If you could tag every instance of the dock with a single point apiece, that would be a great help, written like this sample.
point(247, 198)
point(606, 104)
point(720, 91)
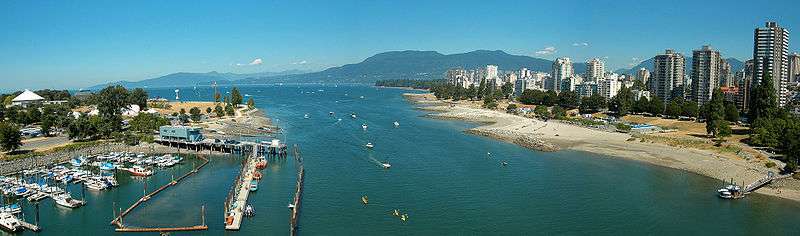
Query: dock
point(237, 197)
point(29, 226)
point(764, 181)
point(118, 220)
point(295, 209)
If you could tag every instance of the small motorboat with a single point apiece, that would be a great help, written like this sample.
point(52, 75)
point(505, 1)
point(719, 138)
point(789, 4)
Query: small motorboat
point(404, 217)
point(396, 124)
point(364, 126)
point(353, 115)
point(369, 145)
point(291, 206)
point(140, 171)
point(253, 185)
point(386, 165)
point(364, 200)
point(362, 97)
point(9, 223)
point(331, 113)
point(396, 213)
point(37, 197)
point(504, 163)
point(106, 166)
point(249, 211)
point(306, 116)
point(66, 200)
point(77, 162)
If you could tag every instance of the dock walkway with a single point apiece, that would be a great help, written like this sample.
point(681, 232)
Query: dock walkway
point(235, 207)
point(29, 226)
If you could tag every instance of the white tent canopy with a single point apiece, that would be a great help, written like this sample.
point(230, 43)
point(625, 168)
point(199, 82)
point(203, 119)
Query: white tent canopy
point(28, 96)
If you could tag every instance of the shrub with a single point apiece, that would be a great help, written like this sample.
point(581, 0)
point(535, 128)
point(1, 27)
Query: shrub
point(770, 164)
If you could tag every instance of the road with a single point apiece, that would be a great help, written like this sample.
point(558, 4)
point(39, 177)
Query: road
point(44, 143)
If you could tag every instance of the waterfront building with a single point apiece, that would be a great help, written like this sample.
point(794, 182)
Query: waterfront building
point(180, 133)
point(595, 69)
point(562, 71)
point(668, 75)
point(705, 74)
point(771, 57)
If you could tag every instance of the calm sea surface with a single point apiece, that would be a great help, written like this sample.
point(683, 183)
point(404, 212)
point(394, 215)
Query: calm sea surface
point(443, 179)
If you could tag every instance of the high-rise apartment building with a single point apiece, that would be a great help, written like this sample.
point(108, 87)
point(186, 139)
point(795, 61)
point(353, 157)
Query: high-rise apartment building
point(595, 69)
point(562, 72)
point(706, 65)
point(643, 75)
point(771, 57)
point(668, 75)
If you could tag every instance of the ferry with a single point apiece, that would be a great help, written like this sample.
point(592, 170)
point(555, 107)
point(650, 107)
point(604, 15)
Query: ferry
point(253, 185)
point(65, 200)
point(9, 223)
point(369, 145)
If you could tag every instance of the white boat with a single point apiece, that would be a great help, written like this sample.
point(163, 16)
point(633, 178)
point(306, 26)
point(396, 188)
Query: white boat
point(66, 200)
point(386, 165)
point(11, 209)
point(353, 116)
point(95, 185)
point(9, 223)
point(396, 124)
point(77, 162)
point(331, 113)
point(306, 116)
point(369, 145)
point(364, 126)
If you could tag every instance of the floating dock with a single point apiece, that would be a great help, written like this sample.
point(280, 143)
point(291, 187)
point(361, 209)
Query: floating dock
point(298, 193)
point(237, 198)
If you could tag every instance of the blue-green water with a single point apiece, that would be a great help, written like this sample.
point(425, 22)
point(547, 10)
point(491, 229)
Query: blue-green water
point(440, 177)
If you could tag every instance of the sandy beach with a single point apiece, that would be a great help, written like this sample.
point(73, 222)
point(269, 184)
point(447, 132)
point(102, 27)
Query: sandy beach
point(554, 135)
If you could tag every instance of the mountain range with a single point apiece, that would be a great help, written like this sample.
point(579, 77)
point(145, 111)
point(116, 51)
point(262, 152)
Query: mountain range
point(388, 65)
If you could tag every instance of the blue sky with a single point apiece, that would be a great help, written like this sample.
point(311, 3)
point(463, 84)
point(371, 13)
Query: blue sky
point(57, 44)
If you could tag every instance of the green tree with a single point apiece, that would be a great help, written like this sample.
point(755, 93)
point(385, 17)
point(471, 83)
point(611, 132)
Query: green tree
point(673, 109)
point(196, 114)
point(559, 113)
point(716, 125)
point(110, 102)
point(511, 108)
point(641, 105)
point(147, 123)
point(10, 138)
point(489, 102)
point(690, 109)
point(251, 103)
point(791, 145)
point(182, 111)
point(550, 98)
point(209, 110)
point(593, 104)
point(236, 97)
point(731, 113)
point(138, 97)
point(569, 99)
point(764, 99)
point(531, 97)
point(507, 89)
point(541, 111)
point(219, 110)
point(229, 110)
point(481, 89)
point(622, 103)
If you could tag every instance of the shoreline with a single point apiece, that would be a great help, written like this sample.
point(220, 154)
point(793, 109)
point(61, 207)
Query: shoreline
point(543, 136)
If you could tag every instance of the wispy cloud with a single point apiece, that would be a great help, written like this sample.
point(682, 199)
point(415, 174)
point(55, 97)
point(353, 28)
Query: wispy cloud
point(583, 44)
point(303, 62)
point(255, 62)
point(635, 61)
point(546, 51)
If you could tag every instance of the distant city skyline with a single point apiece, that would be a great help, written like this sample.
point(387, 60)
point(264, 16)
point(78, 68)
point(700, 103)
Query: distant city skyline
point(79, 44)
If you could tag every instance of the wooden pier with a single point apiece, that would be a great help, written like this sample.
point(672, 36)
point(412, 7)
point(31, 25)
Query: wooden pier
point(295, 209)
point(29, 226)
point(764, 181)
point(118, 220)
point(237, 197)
